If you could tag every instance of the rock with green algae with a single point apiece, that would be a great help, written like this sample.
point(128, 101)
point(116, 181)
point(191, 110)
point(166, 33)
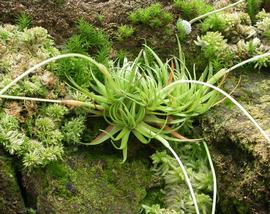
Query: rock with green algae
point(88, 182)
point(241, 154)
point(11, 201)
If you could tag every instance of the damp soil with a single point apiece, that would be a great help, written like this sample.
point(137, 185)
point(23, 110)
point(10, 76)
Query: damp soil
point(59, 17)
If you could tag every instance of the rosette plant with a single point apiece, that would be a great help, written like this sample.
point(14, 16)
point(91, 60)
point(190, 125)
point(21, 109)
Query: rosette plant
point(150, 101)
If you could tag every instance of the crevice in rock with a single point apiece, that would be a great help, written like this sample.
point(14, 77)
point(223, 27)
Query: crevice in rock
point(28, 202)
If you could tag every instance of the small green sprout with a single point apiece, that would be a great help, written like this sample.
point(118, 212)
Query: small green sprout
point(23, 21)
point(253, 7)
point(59, 2)
point(124, 32)
point(100, 18)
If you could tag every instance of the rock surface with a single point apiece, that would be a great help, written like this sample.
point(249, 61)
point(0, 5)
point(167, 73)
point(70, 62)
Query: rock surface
point(11, 201)
point(88, 181)
point(241, 154)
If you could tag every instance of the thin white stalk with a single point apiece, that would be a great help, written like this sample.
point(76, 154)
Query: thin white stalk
point(45, 62)
point(214, 178)
point(167, 145)
point(225, 94)
point(215, 11)
point(64, 102)
point(30, 99)
point(225, 71)
point(253, 59)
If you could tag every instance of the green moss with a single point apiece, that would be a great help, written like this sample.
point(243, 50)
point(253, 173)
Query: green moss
point(153, 16)
point(100, 18)
point(253, 7)
point(176, 195)
point(267, 35)
point(213, 23)
point(58, 170)
point(73, 130)
point(23, 21)
point(239, 150)
point(124, 32)
point(11, 200)
point(88, 40)
point(121, 54)
point(91, 182)
point(192, 8)
point(59, 2)
point(55, 111)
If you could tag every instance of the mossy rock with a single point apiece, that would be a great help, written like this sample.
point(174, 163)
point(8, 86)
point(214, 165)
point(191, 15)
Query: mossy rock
point(11, 201)
point(240, 153)
point(87, 181)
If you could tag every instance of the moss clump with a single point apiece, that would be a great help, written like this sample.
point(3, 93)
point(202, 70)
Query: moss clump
point(73, 130)
point(124, 32)
point(32, 131)
point(214, 23)
point(192, 8)
point(153, 16)
point(215, 48)
point(242, 39)
point(90, 182)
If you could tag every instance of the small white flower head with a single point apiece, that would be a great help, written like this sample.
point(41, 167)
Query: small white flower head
point(186, 25)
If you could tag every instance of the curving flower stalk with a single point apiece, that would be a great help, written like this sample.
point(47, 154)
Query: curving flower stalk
point(214, 178)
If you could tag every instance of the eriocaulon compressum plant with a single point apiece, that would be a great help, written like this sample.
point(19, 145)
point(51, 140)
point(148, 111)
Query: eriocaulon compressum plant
point(149, 101)
point(187, 24)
